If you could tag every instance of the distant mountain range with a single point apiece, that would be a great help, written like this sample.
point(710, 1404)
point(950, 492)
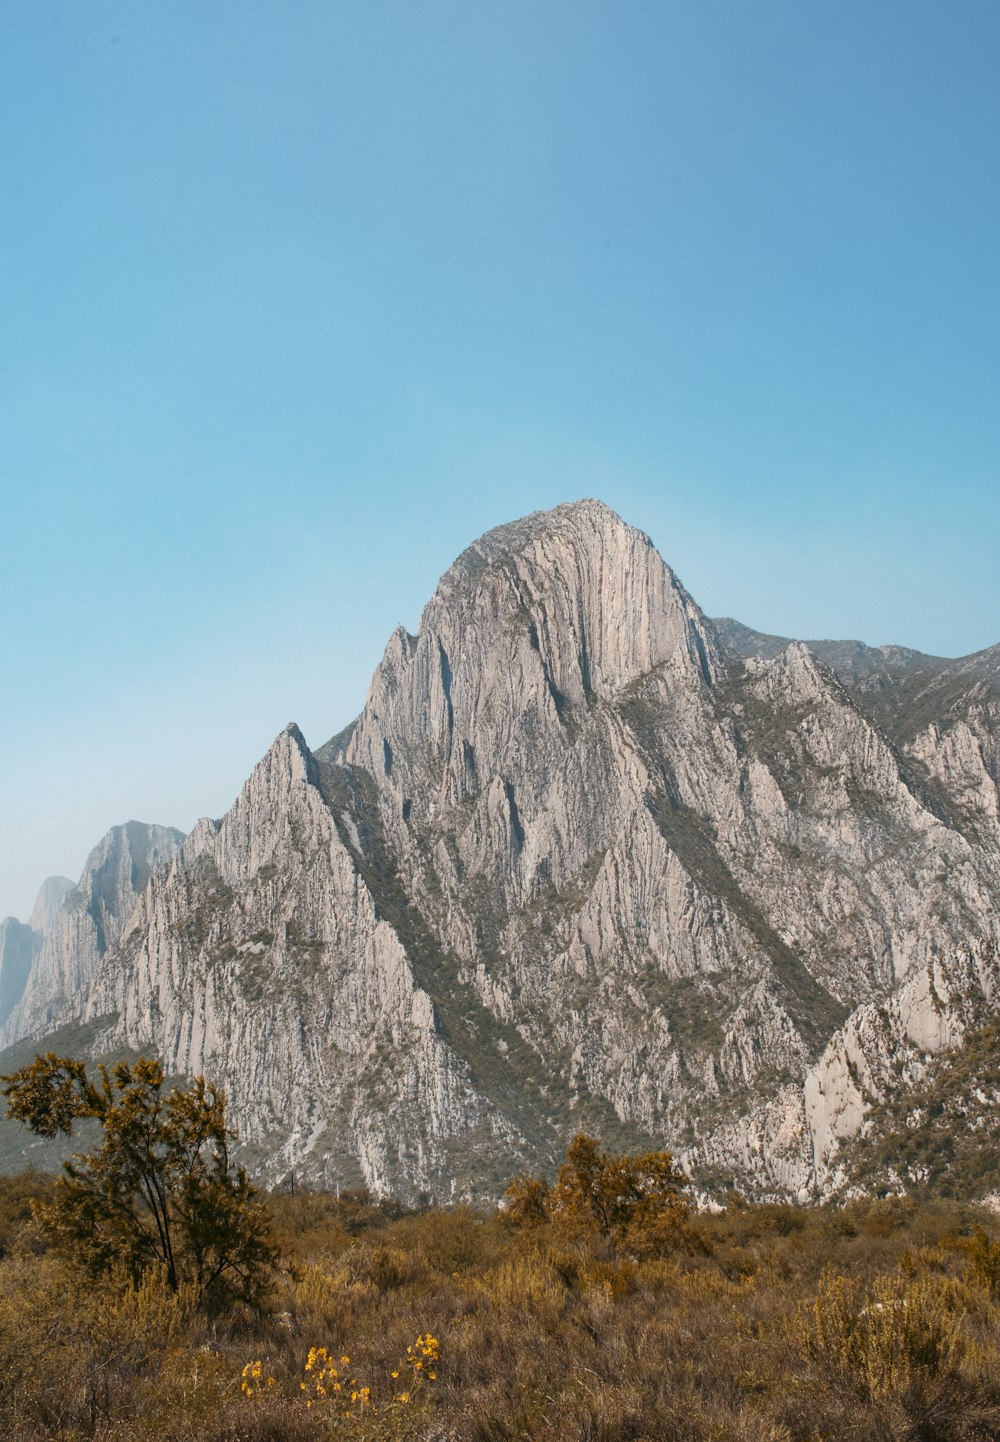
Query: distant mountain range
point(587, 860)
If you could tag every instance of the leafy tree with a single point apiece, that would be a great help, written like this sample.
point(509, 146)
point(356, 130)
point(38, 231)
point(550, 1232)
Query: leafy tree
point(158, 1192)
point(634, 1202)
point(527, 1201)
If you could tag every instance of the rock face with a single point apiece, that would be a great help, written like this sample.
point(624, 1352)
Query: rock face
point(51, 895)
point(20, 943)
point(78, 926)
point(18, 946)
point(586, 859)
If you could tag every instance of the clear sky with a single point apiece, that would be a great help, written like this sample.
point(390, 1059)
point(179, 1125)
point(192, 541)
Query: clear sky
point(296, 299)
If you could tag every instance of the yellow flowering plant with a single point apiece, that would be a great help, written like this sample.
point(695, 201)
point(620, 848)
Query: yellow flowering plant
point(329, 1382)
point(253, 1381)
point(422, 1359)
point(326, 1381)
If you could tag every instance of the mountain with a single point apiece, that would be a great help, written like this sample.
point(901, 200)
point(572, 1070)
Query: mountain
point(586, 860)
point(18, 945)
point(20, 942)
point(51, 895)
point(76, 927)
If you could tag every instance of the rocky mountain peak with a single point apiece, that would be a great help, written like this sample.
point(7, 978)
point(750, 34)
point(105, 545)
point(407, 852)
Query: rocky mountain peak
point(20, 943)
point(48, 901)
point(531, 625)
point(117, 870)
point(602, 606)
point(18, 949)
point(586, 860)
point(262, 814)
point(88, 922)
point(290, 754)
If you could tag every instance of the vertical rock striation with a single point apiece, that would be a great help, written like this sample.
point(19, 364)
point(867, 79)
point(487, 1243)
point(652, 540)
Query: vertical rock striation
point(20, 943)
point(585, 859)
point(83, 925)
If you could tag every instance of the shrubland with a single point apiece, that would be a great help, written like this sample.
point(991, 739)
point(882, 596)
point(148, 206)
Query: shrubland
point(595, 1307)
point(875, 1320)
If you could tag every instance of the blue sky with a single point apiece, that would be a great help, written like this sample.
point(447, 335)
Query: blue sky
point(296, 299)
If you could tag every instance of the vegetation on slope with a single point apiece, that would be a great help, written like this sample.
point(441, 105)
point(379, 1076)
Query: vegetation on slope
point(939, 1137)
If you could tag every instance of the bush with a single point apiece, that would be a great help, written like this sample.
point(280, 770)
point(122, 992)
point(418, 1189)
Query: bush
point(158, 1193)
point(634, 1203)
point(74, 1351)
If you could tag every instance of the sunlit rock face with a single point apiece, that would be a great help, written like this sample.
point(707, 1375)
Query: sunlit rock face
point(586, 860)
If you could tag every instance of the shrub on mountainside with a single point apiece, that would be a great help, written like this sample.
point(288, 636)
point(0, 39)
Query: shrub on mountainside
point(934, 1138)
point(633, 1203)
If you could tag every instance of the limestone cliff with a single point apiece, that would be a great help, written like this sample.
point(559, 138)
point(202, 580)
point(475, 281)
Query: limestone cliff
point(79, 926)
point(585, 859)
point(20, 942)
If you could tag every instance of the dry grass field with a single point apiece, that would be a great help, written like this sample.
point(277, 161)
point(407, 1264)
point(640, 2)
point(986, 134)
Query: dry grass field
point(874, 1321)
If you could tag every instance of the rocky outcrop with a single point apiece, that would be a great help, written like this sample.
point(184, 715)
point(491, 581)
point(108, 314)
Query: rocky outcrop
point(259, 955)
point(18, 948)
point(51, 895)
point(86, 923)
point(585, 860)
point(20, 943)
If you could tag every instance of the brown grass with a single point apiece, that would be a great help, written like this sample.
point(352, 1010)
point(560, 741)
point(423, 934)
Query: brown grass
point(868, 1323)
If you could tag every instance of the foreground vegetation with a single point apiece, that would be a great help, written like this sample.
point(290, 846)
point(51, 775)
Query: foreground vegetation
point(149, 1292)
point(873, 1321)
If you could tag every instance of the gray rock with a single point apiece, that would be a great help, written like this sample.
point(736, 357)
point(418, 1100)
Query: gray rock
point(86, 924)
point(47, 903)
point(586, 860)
point(18, 947)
